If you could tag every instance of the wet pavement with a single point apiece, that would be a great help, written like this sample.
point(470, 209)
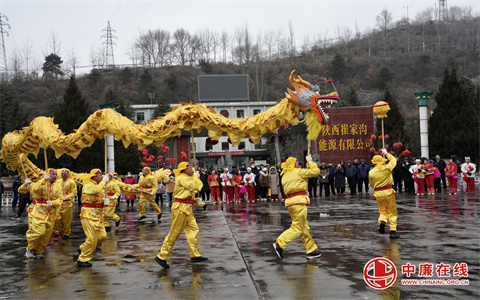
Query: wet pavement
point(237, 239)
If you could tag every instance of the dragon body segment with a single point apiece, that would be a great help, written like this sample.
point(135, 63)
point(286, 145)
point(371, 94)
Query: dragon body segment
point(43, 133)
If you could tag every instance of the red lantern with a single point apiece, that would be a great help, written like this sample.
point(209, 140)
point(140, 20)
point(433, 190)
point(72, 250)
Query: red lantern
point(184, 155)
point(159, 161)
point(144, 152)
point(372, 149)
point(373, 137)
point(173, 161)
point(144, 165)
point(386, 136)
point(160, 157)
point(166, 149)
point(391, 152)
point(162, 146)
point(406, 153)
point(144, 158)
point(380, 137)
point(376, 153)
point(168, 159)
point(330, 81)
point(387, 146)
point(167, 168)
point(149, 160)
point(211, 142)
point(152, 157)
point(400, 144)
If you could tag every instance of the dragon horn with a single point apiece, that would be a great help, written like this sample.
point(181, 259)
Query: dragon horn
point(298, 81)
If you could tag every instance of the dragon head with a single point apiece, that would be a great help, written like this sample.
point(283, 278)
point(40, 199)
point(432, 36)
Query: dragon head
point(308, 97)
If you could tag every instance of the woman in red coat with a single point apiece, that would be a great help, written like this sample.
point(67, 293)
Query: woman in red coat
point(451, 172)
point(418, 177)
point(249, 180)
point(214, 187)
point(237, 184)
point(129, 198)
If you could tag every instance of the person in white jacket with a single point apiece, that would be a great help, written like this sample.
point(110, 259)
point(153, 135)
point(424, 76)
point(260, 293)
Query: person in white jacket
point(226, 179)
point(468, 171)
point(249, 180)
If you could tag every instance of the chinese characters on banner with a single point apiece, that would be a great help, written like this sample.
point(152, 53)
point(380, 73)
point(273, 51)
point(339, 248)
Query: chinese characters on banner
point(347, 135)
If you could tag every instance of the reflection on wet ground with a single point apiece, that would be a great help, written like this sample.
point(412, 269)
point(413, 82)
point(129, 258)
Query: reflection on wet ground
point(237, 240)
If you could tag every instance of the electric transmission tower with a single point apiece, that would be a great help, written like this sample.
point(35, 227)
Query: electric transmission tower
point(3, 54)
point(442, 10)
point(109, 61)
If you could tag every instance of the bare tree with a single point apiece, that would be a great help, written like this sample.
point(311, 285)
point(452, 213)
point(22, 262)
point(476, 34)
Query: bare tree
point(16, 67)
point(53, 45)
point(73, 61)
point(224, 44)
point(269, 42)
point(27, 56)
point(384, 22)
point(242, 50)
point(206, 43)
point(291, 40)
point(280, 42)
point(181, 41)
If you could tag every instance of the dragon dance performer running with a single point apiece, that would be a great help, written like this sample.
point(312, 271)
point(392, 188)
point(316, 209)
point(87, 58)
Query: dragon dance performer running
point(148, 185)
point(91, 215)
point(295, 188)
point(49, 199)
point(65, 212)
point(183, 219)
point(381, 181)
point(113, 192)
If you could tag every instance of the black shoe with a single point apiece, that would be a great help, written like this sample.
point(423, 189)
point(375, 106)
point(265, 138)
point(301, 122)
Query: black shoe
point(162, 263)
point(108, 229)
point(159, 216)
point(81, 264)
point(66, 237)
point(394, 235)
point(199, 259)
point(118, 223)
point(38, 255)
point(205, 207)
point(314, 254)
point(141, 218)
point(55, 235)
point(79, 251)
point(381, 229)
point(278, 250)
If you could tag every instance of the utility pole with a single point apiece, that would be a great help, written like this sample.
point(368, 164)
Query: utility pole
point(109, 61)
point(151, 96)
point(3, 54)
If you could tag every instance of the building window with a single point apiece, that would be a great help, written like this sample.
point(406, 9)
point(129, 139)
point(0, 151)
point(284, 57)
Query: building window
point(240, 114)
point(225, 146)
point(208, 146)
point(256, 111)
point(140, 116)
point(241, 146)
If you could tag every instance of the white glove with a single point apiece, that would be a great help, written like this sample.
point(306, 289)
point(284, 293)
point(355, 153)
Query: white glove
point(308, 158)
point(198, 200)
point(384, 151)
point(28, 181)
point(197, 174)
point(64, 198)
point(49, 203)
point(223, 183)
point(111, 198)
point(106, 178)
point(106, 201)
point(47, 176)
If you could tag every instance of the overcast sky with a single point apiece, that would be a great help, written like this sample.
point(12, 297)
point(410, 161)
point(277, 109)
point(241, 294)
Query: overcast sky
point(78, 24)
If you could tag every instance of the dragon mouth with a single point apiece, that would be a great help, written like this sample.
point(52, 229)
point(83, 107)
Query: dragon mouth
point(323, 101)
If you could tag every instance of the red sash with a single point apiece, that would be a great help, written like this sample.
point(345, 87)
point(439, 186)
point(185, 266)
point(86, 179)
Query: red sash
point(387, 187)
point(186, 201)
point(302, 193)
point(92, 205)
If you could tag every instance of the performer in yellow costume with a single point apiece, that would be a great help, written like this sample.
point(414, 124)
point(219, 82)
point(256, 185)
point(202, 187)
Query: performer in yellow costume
point(148, 185)
point(91, 215)
point(49, 199)
point(65, 212)
point(113, 192)
point(183, 219)
point(381, 181)
point(295, 188)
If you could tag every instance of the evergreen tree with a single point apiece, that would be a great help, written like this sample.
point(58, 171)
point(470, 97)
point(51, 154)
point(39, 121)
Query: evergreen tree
point(351, 99)
point(53, 65)
point(337, 67)
point(394, 124)
point(453, 126)
point(384, 76)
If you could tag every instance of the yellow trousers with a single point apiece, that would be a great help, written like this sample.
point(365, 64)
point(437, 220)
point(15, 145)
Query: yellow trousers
point(64, 221)
point(151, 201)
point(38, 234)
point(387, 207)
point(96, 234)
point(181, 222)
point(109, 214)
point(299, 228)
